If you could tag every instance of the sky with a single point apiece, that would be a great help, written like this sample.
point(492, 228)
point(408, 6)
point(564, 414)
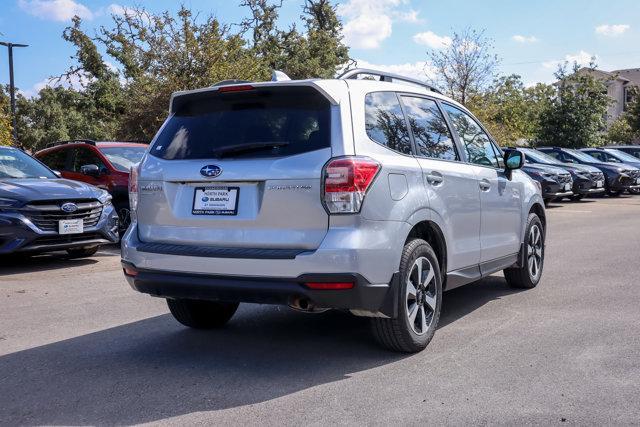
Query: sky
point(530, 37)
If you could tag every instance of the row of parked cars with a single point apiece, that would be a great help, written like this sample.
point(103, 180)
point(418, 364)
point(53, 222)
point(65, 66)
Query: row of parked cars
point(369, 195)
point(574, 174)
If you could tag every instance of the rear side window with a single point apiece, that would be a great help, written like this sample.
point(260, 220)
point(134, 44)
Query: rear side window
point(262, 122)
point(56, 160)
point(385, 123)
point(429, 129)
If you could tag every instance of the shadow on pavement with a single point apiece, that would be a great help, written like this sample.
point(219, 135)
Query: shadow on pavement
point(155, 369)
point(17, 264)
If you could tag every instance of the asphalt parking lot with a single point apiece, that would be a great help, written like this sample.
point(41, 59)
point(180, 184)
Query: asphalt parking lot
point(78, 346)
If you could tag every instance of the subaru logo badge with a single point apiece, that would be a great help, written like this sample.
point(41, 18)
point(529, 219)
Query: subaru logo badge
point(69, 207)
point(211, 171)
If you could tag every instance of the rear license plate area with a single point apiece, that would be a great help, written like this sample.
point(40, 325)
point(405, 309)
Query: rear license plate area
point(215, 200)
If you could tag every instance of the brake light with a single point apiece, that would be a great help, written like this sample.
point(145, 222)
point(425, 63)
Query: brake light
point(329, 285)
point(346, 181)
point(237, 88)
point(133, 190)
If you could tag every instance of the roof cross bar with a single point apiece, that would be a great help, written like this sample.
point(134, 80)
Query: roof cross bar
point(386, 77)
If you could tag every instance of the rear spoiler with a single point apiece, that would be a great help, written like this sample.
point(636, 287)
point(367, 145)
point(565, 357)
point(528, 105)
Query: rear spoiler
point(180, 98)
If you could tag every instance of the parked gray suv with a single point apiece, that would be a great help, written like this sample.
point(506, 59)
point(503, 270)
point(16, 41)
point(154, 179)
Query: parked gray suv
point(368, 195)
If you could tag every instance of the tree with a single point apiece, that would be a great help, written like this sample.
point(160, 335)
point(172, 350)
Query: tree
point(576, 116)
point(632, 115)
point(465, 66)
point(125, 94)
point(509, 110)
point(5, 119)
point(319, 52)
point(620, 131)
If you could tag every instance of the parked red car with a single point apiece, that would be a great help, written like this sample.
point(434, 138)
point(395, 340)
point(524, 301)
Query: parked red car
point(103, 164)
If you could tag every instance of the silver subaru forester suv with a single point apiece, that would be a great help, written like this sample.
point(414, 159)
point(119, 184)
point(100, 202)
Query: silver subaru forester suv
point(372, 195)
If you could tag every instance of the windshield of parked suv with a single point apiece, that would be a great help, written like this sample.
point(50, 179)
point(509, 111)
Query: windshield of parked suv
point(122, 158)
point(540, 157)
point(583, 156)
point(17, 164)
point(261, 122)
point(621, 155)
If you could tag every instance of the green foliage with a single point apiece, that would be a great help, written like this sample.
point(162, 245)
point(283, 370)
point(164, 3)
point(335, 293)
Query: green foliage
point(620, 132)
point(158, 54)
point(632, 114)
point(576, 117)
point(509, 110)
point(5, 119)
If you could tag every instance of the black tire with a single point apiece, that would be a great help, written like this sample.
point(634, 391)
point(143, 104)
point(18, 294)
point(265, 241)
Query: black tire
point(577, 197)
point(82, 252)
point(614, 193)
point(124, 217)
point(199, 314)
point(523, 277)
point(398, 334)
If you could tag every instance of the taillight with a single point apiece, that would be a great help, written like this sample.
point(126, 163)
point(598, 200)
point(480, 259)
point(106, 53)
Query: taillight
point(236, 88)
point(133, 190)
point(346, 181)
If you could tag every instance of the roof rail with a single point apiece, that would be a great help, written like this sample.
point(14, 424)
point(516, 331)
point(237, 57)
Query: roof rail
point(386, 77)
point(71, 141)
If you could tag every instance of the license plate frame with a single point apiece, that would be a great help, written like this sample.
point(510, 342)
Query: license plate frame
point(70, 226)
point(599, 184)
point(567, 187)
point(224, 208)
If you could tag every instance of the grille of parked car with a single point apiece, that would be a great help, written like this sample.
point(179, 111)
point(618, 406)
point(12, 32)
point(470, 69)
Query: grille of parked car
point(564, 178)
point(597, 176)
point(634, 174)
point(46, 215)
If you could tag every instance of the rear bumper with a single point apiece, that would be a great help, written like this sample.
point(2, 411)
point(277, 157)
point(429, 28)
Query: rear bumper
point(371, 249)
point(266, 290)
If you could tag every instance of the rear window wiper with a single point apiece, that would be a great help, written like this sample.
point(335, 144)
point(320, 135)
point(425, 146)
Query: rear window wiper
point(253, 146)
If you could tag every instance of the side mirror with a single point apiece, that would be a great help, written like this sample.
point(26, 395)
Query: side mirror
point(513, 159)
point(90, 170)
point(58, 174)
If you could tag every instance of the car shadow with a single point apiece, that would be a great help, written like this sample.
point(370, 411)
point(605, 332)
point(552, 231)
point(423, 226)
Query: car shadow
point(22, 263)
point(155, 369)
point(459, 302)
point(12, 264)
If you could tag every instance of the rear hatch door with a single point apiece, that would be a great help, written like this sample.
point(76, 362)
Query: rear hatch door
point(239, 169)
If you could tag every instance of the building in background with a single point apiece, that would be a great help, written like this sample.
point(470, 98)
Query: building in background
point(619, 84)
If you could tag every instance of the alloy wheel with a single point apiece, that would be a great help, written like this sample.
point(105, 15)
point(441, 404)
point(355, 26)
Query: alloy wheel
point(421, 296)
point(534, 252)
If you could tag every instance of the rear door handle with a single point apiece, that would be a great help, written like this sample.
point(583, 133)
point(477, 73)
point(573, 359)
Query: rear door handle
point(434, 178)
point(485, 185)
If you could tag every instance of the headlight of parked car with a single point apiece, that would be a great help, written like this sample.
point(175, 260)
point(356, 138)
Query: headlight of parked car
point(545, 175)
point(105, 198)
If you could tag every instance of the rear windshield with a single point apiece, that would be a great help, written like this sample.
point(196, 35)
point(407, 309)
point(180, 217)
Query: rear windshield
point(273, 121)
point(122, 158)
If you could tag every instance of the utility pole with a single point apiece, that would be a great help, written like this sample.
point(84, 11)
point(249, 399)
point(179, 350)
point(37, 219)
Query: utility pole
point(12, 88)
